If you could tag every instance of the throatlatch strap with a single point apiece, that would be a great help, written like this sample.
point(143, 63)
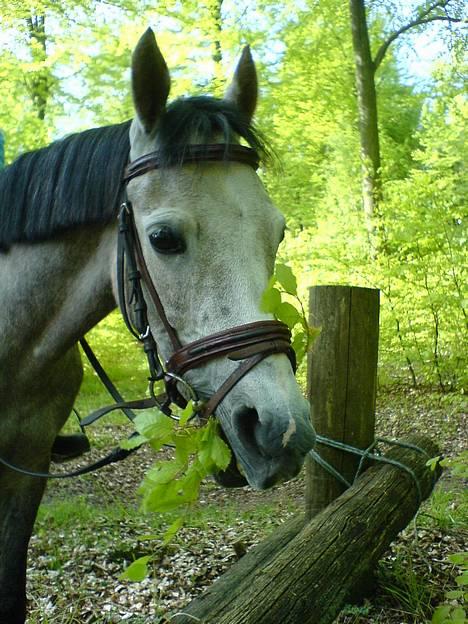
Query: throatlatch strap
point(107, 382)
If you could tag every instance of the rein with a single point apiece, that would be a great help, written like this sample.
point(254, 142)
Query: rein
point(249, 343)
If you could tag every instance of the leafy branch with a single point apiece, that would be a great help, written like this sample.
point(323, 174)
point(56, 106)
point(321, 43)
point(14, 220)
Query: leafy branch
point(174, 484)
point(283, 286)
point(424, 17)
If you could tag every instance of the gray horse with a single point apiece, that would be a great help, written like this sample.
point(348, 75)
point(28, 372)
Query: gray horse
point(209, 235)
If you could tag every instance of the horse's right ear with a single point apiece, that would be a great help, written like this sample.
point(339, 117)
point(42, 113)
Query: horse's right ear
point(150, 81)
point(243, 90)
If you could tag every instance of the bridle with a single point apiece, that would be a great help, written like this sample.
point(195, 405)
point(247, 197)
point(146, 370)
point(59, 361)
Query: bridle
point(249, 343)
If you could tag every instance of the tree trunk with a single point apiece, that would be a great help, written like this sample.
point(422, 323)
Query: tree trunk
point(40, 81)
point(216, 23)
point(2, 150)
point(305, 576)
point(367, 109)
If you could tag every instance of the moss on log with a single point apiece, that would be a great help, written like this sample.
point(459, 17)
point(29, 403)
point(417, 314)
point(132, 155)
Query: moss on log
point(304, 574)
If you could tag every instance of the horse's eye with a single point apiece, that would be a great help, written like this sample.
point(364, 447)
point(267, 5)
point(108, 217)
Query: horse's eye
point(165, 240)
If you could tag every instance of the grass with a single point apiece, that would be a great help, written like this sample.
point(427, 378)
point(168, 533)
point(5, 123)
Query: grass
point(77, 512)
point(446, 509)
point(408, 589)
point(65, 514)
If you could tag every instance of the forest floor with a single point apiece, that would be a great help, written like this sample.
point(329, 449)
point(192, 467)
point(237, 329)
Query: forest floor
point(90, 528)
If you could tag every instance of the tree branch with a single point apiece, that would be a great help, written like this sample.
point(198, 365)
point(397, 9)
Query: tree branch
point(421, 19)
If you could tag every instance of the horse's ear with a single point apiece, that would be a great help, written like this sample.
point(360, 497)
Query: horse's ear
point(150, 81)
point(243, 89)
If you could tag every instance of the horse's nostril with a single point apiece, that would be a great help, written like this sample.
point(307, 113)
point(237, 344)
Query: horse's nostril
point(246, 424)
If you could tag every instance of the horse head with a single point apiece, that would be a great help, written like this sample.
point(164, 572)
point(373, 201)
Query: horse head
point(209, 234)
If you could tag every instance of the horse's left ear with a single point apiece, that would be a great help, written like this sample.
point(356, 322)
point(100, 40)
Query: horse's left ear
point(150, 81)
point(243, 90)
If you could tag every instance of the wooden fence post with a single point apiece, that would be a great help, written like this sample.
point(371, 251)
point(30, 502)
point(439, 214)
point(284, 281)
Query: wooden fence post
point(341, 383)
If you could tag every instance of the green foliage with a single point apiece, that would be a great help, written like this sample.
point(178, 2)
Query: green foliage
point(173, 485)
point(454, 611)
point(424, 254)
point(199, 451)
point(283, 284)
point(458, 465)
point(137, 570)
point(403, 582)
point(448, 509)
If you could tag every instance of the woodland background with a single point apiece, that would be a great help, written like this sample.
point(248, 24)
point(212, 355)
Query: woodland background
point(64, 67)
point(369, 169)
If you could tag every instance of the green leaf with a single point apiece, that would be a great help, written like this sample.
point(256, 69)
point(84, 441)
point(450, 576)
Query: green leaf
point(214, 454)
point(148, 537)
point(187, 413)
point(286, 278)
point(133, 442)
point(458, 616)
point(187, 443)
point(299, 344)
point(462, 579)
point(454, 595)
point(287, 313)
point(460, 558)
point(167, 497)
point(136, 571)
point(433, 462)
point(440, 614)
point(163, 472)
point(271, 299)
point(314, 333)
point(173, 529)
point(221, 453)
point(161, 495)
point(157, 427)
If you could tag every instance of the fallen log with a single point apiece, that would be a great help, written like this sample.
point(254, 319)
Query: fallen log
point(304, 574)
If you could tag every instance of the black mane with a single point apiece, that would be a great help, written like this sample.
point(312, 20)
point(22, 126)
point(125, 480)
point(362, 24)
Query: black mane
point(73, 181)
point(76, 180)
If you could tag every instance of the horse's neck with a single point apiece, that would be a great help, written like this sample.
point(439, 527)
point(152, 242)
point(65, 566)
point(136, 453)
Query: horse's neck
point(54, 292)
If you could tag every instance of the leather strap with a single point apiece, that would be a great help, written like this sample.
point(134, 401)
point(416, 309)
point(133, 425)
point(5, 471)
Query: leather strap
point(190, 154)
point(237, 343)
point(110, 387)
point(145, 274)
point(240, 372)
point(125, 406)
point(117, 454)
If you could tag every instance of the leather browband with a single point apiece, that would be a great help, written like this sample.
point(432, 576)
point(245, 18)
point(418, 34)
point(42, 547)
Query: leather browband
point(194, 154)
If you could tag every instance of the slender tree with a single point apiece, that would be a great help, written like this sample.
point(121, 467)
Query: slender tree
point(40, 80)
point(366, 67)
